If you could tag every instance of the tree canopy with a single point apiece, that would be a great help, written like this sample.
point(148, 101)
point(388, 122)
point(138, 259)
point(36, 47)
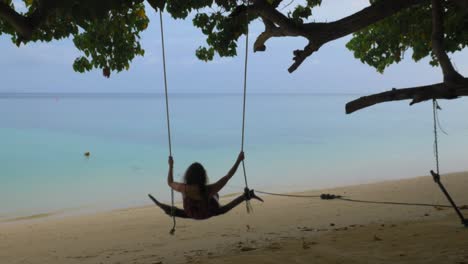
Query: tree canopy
point(107, 32)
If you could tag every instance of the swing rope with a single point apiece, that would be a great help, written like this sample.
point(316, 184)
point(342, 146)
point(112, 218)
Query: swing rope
point(247, 203)
point(327, 196)
point(435, 107)
point(436, 175)
point(167, 116)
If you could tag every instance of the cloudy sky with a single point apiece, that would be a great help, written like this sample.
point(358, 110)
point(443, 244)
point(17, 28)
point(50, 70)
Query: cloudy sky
point(47, 67)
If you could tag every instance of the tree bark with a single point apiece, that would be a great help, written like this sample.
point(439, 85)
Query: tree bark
point(454, 84)
point(461, 3)
point(270, 31)
point(320, 33)
point(450, 74)
point(17, 21)
point(416, 94)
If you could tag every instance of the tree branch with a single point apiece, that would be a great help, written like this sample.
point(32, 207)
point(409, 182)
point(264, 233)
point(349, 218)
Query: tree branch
point(461, 3)
point(416, 94)
point(359, 20)
point(301, 55)
point(17, 21)
point(269, 12)
point(454, 85)
point(450, 74)
point(270, 31)
point(320, 33)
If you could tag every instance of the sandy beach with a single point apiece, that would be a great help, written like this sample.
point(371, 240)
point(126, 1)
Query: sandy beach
point(281, 230)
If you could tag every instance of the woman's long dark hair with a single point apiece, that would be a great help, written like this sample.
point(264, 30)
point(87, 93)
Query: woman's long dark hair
point(196, 175)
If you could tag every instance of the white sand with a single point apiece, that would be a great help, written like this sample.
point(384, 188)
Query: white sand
point(282, 230)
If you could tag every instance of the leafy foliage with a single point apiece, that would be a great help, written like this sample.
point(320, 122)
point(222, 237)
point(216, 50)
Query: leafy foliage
point(302, 12)
point(222, 21)
point(107, 32)
point(386, 42)
point(111, 42)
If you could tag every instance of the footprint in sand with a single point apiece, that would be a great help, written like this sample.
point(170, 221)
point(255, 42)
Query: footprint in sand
point(274, 246)
point(376, 238)
point(341, 229)
point(245, 249)
point(307, 245)
point(305, 229)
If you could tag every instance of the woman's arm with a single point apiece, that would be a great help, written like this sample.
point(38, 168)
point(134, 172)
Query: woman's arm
point(179, 187)
point(216, 187)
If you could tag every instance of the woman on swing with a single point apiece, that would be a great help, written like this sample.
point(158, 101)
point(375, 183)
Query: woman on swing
point(200, 199)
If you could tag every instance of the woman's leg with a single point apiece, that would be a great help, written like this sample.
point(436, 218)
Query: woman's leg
point(228, 207)
point(168, 209)
point(247, 195)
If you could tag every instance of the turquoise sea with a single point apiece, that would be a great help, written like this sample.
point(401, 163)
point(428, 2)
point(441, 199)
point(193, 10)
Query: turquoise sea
point(293, 142)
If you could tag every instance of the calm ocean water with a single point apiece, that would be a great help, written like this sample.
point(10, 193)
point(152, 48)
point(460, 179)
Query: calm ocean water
point(293, 142)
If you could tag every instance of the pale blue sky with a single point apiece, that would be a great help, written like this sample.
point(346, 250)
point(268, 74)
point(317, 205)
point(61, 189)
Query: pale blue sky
point(47, 67)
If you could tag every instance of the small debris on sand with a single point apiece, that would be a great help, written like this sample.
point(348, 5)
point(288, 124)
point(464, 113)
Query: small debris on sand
point(306, 229)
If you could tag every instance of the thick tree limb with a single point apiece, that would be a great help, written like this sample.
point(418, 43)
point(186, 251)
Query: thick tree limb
point(270, 31)
point(450, 74)
point(269, 12)
point(416, 94)
point(17, 21)
point(461, 3)
point(25, 26)
point(359, 20)
point(320, 33)
point(454, 84)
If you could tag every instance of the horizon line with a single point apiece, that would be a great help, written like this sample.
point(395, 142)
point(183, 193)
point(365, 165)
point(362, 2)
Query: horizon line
point(122, 94)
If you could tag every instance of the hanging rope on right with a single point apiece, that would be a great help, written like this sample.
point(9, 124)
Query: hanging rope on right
point(436, 174)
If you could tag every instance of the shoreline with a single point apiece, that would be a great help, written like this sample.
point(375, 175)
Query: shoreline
point(6, 219)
